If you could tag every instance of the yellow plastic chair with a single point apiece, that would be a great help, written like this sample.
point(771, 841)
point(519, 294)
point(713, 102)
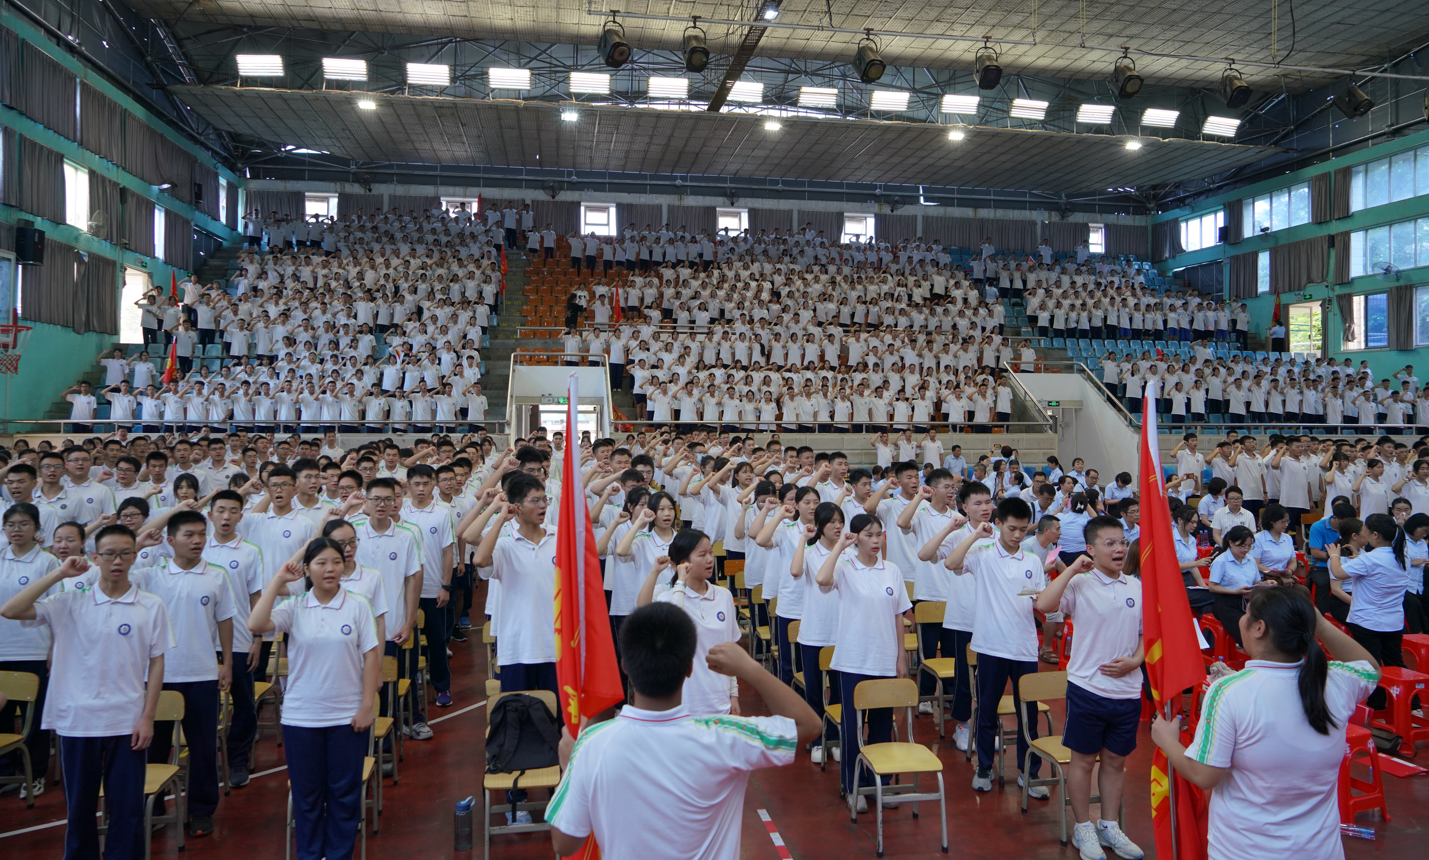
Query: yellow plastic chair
point(385, 727)
point(20, 687)
point(1041, 687)
point(941, 669)
point(546, 777)
point(159, 777)
point(894, 758)
point(798, 682)
point(1005, 708)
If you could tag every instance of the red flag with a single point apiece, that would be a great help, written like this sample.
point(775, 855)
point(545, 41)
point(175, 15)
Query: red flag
point(1275, 314)
point(617, 314)
point(503, 259)
point(174, 285)
point(1173, 648)
point(171, 366)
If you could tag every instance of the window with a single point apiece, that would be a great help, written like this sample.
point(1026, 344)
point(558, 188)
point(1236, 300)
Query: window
point(735, 221)
point(1421, 316)
point(1307, 328)
point(320, 204)
point(136, 283)
point(1403, 245)
point(1262, 272)
point(598, 218)
point(467, 203)
point(1096, 238)
point(1371, 322)
point(76, 196)
point(857, 228)
point(1202, 231)
point(1282, 208)
point(1391, 179)
point(159, 232)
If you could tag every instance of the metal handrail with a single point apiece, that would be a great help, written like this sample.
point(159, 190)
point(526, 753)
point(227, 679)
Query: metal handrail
point(1083, 371)
point(838, 427)
point(1025, 397)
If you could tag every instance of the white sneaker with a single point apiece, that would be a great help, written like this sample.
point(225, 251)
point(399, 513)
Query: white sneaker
point(38, 788)
point(422, 732)
point(1084, 839)
point(925, 707)
point(961, 736)
point(834, 751)
point(982, 779)
point(861, 805)
point(816, 755)
point(1113, 838)
point(1036, 792)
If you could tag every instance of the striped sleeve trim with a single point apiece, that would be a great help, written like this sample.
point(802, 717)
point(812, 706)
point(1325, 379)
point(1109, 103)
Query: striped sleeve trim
point(1210, 712)
point(558, 799)
point(749, 731)
point(1370, 676)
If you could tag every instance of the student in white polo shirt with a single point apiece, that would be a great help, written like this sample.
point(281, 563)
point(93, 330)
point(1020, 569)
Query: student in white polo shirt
point(783, 531)
point(1004, 627)
point(932, 515)
point(334, 667)
point(242, 561)
point(106, 676)
point(1271, 740)
point(819, 624)
point(281, 530)
point(22, 649)
point(358, 578)
point(686, 775)
point(201, 609)
point(431, 518)
point(1380, 577)
point(1103, 686)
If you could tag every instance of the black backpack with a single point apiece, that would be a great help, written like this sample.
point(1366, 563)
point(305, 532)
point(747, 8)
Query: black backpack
point(523, 735)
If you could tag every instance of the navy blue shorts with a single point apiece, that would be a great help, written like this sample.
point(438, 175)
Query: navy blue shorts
point(1096, 723)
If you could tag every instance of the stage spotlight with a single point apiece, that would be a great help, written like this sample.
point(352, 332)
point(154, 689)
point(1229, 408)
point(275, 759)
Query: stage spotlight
point(770, 10)
point(1353, 103)
point(866, 63)
point(1125, 79)
point(1235, 92)
point(986, 69)
point(614, 50)
point(697, 52)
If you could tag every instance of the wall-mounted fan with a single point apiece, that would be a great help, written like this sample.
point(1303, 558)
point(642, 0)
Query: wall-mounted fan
point(1386, 271)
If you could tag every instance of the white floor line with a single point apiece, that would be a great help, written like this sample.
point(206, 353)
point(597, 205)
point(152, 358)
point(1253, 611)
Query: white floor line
point(457, 713)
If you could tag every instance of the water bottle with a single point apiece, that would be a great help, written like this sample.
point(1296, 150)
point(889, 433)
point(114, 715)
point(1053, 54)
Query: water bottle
point(462, 824)
point(1358, 832)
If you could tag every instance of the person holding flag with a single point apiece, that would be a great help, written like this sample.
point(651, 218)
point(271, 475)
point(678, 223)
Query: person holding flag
point(1277, 329)
point(171, 364)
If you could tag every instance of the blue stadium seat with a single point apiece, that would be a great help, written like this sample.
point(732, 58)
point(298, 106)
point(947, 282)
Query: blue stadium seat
point(1059, 343)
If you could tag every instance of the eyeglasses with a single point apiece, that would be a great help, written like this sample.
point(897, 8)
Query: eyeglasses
point(283, 486)
point(1116, 544)
point(126, 555)
point(348, 544)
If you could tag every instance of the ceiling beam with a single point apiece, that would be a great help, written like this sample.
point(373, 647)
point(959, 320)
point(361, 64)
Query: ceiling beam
point(741, 58)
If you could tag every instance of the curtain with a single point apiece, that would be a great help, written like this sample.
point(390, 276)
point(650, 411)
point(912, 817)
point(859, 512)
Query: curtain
point(1401, 316)
point(1065, 235)
point(1130, 240)
point(642, 215)
point(952, 232)
point(348, 204)
point(50, 291)
point(9, 67)
point(420, 203)
point(206, 177)
point(7, 236)
point(49, 93)
point(1296, 264)
point(1011, 235)
point(283, 202)
point(230, 217)
point(101, 124)
point(1345, 303)
point(42, 181)
point(180, 167)
point(769, 220)
point(9, 167)
point(1320, 198)
point(1340, 198)
point(97, 295)
point(104, 206)
point(178, 241)
point(1341, 273)
point(138, 217)
point(1235, 221)
point(1166, 240)
point(831, 224)
point(564, 216)
point(1242, 279)
point(143, 155)
point(1207, 279)
point(895, 228)
point(695, 219)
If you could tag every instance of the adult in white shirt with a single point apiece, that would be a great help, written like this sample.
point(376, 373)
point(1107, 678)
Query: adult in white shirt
point(434, 521)
point(82, 407)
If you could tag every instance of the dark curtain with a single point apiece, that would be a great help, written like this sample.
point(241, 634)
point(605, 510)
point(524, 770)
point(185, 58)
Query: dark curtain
point(895, 228)
point(692, 218)
point(642, 215)
point(101, 124)
point(422, 204)
point(348, 204)
point(1065, 235)
point(1401, 316)
point(1345, 304)
point(830, 223)
point(1340, 196)
point(1341, 273)
point(97, 295)
point(1012, 235)
point(952, 232)
point(770, 220)
point(7, 236)
point(1243, 276)
point(42, 181)
point(143, 152)
point(1166, 240)
point(1131, 240)
point(230, 217)
point(1235, 221)
point(104, 207)
point(564, 216)
point(138, 216)
point(1295, 264)
point(283, 202)
point(9, 68)
point(1207, 279)
point(49, 93)
point(10, 168)
point(179, 171)
point(206, 178)
point(49, 292)
point(1320, 198)
point(178, 241)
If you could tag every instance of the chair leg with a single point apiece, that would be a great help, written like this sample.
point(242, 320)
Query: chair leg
point(29, 776)
point(288, 829)
point(486, 825)
point(878, 809)
point(942, 812)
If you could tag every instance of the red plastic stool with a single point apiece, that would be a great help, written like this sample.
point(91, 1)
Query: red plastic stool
point(1223, 647)
point(1415, 647)
point(1401, 686)
point(1359, 742)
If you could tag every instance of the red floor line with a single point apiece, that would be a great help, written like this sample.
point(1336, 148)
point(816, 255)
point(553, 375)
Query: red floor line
point(774, 835)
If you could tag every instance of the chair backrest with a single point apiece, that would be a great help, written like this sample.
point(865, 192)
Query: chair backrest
point(486, 636)
point(389, 669)
point(793, 631)
point(930, 611)
point(885, 693)
point(733, 567)
point(20, 686)
point(826, 657)
point(909, 587)
point(1041, 687)
point(972, 657)
point(739, 578)
point(171, 706)
point(756, 594)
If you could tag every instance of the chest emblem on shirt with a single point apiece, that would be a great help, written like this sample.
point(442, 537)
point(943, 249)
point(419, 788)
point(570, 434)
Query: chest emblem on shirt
point(719, 615)
point(1028, 573)
point(433, 530)
point(889, 590)
point(287, 533)
point(203, 601)
point(233, 565)
point(89, 501)
point(24, 580)
point(1131, 602)
point(347, 629)
point(392, 556)
point(124, 629)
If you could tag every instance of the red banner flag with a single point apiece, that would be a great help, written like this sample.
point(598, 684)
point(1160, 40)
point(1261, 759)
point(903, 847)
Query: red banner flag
point(1275, 314)
point(174, 285)
point(617, 314)
point(171, 366)
point(503, 259)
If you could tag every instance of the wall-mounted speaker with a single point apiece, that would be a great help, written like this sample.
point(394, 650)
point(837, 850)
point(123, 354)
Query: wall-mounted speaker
point(29, 246)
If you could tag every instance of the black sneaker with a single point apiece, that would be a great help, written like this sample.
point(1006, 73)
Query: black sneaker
point(458, 636)
point(200, 825)
point(238, 777)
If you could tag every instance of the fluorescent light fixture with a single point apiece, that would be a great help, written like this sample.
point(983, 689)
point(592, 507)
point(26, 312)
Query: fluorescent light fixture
point(669, 88)
point(1160, 118)
point(367, 104)
point(772, 125)
point(1091, 114)
point(1133, 145)
point(570, 115)
point(959, 104)
point(341, 69)
point(1221, 126)
point(894, 100)
point(821, 97)
point(747, 91)
point(957, 134)
point(429, 74)
point(1029, 108)
point(259, 65)
point(589, 82)
point(509, 79)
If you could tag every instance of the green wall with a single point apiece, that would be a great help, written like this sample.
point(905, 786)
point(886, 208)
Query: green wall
point(54, 359)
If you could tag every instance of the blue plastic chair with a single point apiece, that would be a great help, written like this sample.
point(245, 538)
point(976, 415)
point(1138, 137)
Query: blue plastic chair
point(1059, 343)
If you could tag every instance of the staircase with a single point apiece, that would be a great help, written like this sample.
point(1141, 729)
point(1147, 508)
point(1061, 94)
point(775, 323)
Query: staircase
point(502, 338)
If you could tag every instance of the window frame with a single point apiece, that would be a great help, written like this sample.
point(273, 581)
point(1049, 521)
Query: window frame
point(869, 224)
point(319, 203)
point(1096, 238)
point(158, 232)
point(725, 212)
point(76, 193)
point(1262, 273)
point(612, 225)
point(1360, 305)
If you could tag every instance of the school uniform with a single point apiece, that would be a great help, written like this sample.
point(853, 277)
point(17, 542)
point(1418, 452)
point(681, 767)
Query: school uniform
point(1102, 712)
point(394, 555)
point(434, 525)
point(242, 562)
point(705, 691)
point(1376, 618)
point(818, 629)
point(1229, 573)
point(100, 664)
point(327, 648)
point(26, 649)
point(527, 620)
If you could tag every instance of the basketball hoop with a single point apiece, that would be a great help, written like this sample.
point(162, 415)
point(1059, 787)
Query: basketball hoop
point(12, 345)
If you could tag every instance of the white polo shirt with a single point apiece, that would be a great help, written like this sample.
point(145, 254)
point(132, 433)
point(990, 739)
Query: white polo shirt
point(1003, 623)
point(101, 659)
point(685, 774)
point(931, 580)
point(870, 601)
point(242, 563)
point(789, 590)
point(395, 556)
point(433, 524)
point(623, 577)
point(326, 650)
point(1379, 586)
point(1295, 482)
point(368, 583)
point(277, 536)
point(962, 590)
point(527, 615)
point(92, 500)
point(706, 691)
point(819, 624)
point(1107, 613)
point(197, 600)
point(898, 550)
point(17, 572)
point(1279, 795)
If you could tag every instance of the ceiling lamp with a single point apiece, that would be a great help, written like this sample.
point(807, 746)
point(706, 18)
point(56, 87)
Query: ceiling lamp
point(1221, 126)
point(889, 100)
point(1353, 103)
point(429, 74)
point(697, 51)
point(866, 63)
point(986, 69)
point(589, 82)
point(367, 104)
point(509, 79)
point(770, 10)
point(818, 97)
point(340, 69)
point(668, 88)
point(614, 50)
point(1029, 109)
point(1159, 118)
point(1125, 79)
point(1235, 92)
point(747, 91)
point(1133, 145)
point(772, 125)
point(259, 65)
point(570, 115)
point(1091, 114)
point(960, 104)
point(957, 134)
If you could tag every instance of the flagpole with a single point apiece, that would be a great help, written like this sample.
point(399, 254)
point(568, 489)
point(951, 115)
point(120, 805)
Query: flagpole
point(1171, 789)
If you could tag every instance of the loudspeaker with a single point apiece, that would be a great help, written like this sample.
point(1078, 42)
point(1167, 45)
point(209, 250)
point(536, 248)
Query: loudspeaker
point(29, 246)
point(1331, 237)
point(1221, 235)
point(198, 192)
